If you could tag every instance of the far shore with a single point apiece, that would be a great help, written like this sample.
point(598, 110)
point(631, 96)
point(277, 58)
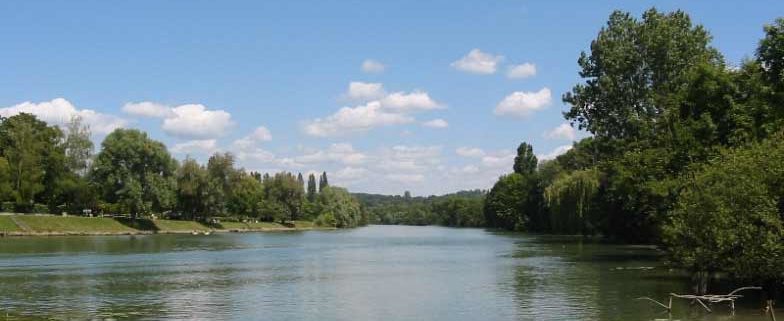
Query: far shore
point(13, 225)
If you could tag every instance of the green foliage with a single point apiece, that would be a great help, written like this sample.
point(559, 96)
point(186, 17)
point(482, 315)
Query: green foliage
point(78, 146)
point(525, 162)
point(326, 220)
point(511, 203)
point(338, 203)
point(323, 181)
point(311, 189)
point(34, 156)
point(6, 189)
point(461, 209)
point(285, 194)
point(198, 195)
point(632, 69)
point(729, 215)
point(247, 197)
point(135, 171)
point(569, 199)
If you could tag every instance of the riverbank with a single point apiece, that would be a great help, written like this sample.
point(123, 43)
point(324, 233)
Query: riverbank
point(51, 225)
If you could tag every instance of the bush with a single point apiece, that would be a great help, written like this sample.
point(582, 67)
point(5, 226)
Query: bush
point(326, 220)
point(728, 216)
point(7, 207)
point(40, 209)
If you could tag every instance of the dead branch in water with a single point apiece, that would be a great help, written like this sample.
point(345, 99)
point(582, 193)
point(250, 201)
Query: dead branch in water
point(709, 298)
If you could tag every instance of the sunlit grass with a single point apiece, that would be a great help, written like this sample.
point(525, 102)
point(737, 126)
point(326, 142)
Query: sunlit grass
point(72, 224)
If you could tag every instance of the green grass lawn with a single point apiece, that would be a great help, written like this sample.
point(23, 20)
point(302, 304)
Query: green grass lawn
point(72, 224)
point(303, 224)
point(8, 225)
point(173, 225)
point(76, 224)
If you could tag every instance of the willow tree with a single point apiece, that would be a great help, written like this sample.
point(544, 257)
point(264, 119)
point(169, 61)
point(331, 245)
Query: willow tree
point(569, 198)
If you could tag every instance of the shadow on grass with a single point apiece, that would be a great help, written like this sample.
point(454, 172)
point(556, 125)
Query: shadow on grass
point(139, 224)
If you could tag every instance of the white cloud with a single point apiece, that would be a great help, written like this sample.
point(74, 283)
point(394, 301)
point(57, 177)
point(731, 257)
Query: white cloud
point(206, 146)
point(148, 109)
point(522, 104)
point(59, 111)
point(478, 62)
point(261, 134)
point(563, 131)
point(554, 153)
point(341, 152)
point(248, 143)
point(521, 71)
point(405, 178)
point(409, 102)
point(503, 159)
point(357, 119)
point(365, 91)
point(194, 121)
point(436, 123)
point(372, 66)
point(470, 152)
point(350, 174)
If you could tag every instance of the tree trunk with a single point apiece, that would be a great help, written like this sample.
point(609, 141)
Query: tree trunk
point(700, 281)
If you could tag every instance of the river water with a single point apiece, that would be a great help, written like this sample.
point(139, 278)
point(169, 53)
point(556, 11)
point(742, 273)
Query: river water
point(372, 273)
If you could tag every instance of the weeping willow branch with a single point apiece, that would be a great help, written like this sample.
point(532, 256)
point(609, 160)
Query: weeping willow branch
point(569, 196)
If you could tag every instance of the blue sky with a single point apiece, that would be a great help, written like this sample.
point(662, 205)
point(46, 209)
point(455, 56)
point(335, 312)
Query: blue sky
point(435, 110)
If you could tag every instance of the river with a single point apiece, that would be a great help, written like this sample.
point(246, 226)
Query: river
point(372, 273)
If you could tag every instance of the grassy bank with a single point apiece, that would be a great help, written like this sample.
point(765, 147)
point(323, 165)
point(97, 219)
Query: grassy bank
point(21, 225)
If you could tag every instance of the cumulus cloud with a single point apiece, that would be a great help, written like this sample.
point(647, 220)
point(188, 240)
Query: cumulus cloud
point(194, 121)
point(470, 152)
point(563, 131)
point(372, 66)
point(521, 71)
point(205, 146)
point(348, 174)
point(410, 102)
point(365, 91)
point(436, 123)
point(554, 153)
point(501, 159)
point(148, 109)
point(521, 103)
point(356, 119)
point(59, 111)
point(340, 152)
point(478, 62)
point(261, 134)
point(405, 178)
point(249, 142)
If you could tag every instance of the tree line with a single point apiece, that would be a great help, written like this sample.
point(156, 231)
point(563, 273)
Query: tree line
point(461, 209)
point(687, 151)
point(46, 169)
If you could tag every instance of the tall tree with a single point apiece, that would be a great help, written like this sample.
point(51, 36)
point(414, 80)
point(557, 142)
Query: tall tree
point(34, 154)
point(632, 71)
point(525, 162)
point(323, 182)
point(301, 181)
point(197, 194)
point(221, 170)
point(312, 192)
point(78, 146)
point(135, 171)
point(283, 192)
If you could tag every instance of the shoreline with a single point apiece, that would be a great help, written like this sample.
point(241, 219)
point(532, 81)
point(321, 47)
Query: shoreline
point(22, 225)
point(201, 232)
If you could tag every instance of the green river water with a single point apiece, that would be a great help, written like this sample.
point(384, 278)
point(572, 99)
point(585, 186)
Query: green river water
point(372, 273)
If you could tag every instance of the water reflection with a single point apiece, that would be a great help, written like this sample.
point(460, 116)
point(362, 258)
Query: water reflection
point(373, 273)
